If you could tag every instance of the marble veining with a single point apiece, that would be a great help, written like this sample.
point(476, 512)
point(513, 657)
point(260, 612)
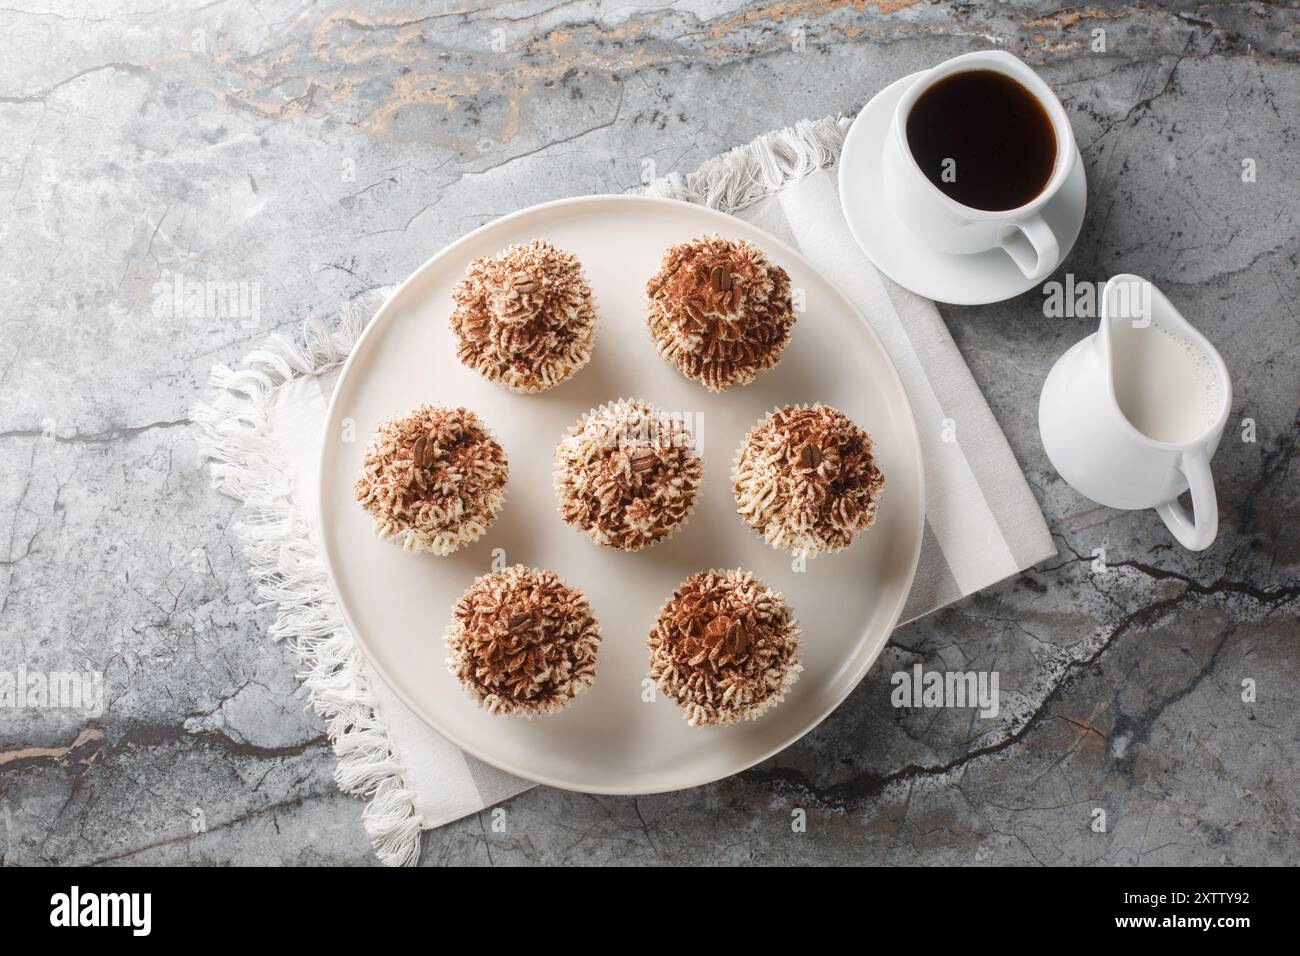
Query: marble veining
point(286, 157)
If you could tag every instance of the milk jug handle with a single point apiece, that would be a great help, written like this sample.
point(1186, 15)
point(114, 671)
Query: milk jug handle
point(1197, 531)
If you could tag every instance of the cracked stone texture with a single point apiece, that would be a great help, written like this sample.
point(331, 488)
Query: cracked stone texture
point(317, 152)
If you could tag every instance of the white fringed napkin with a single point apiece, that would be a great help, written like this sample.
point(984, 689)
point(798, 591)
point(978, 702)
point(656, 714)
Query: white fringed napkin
point(262, 434)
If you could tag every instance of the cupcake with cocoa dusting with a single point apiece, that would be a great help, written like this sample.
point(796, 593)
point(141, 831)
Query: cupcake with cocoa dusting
point(522, 643)
point(719, 311)
point(627, 474)
point(433, 481)
point(725, 647)
point(524, 318)
point(805, 479)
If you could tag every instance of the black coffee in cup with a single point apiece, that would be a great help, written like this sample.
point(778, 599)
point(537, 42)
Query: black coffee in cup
point(983, 140)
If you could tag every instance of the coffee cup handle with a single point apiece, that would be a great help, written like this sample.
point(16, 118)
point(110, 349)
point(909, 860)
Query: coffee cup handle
point(1032, 246)
point(1197, 531)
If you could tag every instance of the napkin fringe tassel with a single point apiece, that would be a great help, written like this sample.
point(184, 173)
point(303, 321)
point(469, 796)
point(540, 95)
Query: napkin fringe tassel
point(748, 173)
point(237, 439)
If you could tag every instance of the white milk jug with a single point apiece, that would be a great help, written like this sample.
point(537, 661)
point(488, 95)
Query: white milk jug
point(1131, 416)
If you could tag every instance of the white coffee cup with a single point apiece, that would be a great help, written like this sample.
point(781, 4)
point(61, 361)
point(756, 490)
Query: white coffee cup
point(1131, 416)
point(949, 226)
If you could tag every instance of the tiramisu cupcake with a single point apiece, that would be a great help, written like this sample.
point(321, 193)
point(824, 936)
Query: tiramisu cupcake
point(719, 311)
point(433, 481)
point(627, 474)
point(725, 648)
point(522, 643)
point(806, 481)
point(524, 318)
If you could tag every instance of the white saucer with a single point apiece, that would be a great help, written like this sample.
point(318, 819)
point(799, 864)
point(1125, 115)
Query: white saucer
point(897, 252)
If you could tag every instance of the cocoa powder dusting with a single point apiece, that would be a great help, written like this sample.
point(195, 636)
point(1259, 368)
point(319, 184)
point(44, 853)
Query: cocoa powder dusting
point(524, 318)
point(627, 474)
point(522, 643)
point(725, 647)
point(433, 481)
point(806, 479)
point(720, 311)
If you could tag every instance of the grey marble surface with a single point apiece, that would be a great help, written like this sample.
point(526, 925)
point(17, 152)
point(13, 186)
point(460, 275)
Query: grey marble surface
point(315, 151)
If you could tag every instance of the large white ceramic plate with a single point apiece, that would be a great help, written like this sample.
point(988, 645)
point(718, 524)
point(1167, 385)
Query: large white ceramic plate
point(609, 740)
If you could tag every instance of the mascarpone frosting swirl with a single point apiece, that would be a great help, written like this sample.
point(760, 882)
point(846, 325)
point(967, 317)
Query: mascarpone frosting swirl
point(720, 311)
